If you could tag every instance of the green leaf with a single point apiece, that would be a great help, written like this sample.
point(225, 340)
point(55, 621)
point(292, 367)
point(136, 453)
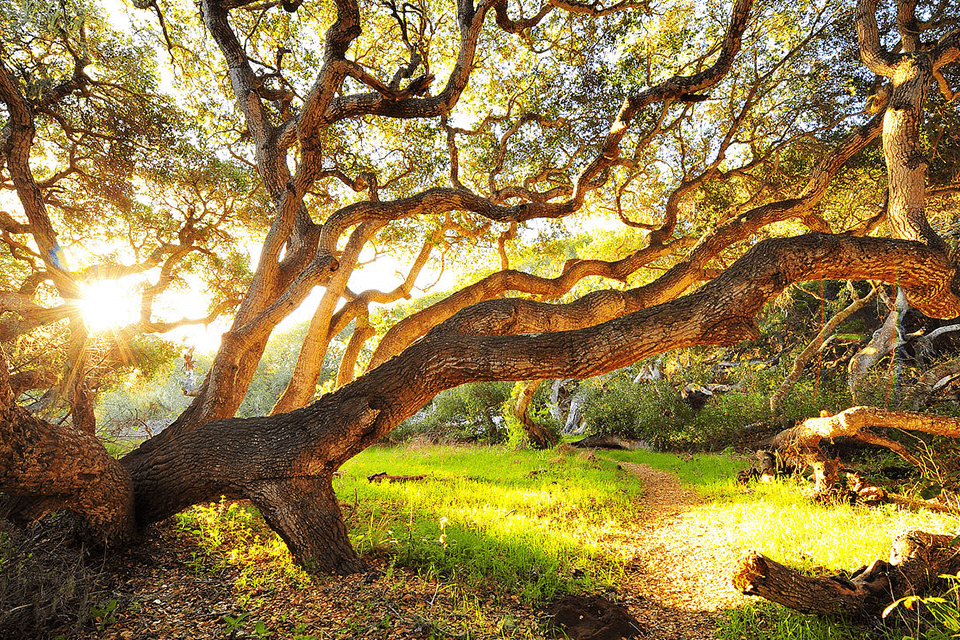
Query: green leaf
point(931, 491)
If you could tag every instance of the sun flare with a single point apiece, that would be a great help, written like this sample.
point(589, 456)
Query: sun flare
point(109, 304)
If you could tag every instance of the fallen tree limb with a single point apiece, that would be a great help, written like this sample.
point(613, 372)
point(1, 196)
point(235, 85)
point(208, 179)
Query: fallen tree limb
point(802, 442)
point(383, 476)
point(917, 559)
point(930, 382)
point(606, 442)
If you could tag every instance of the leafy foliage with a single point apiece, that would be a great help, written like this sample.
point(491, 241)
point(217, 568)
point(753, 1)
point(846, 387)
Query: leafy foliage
point(468, 413)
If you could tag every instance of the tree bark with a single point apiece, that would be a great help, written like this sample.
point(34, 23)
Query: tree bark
point(238, 458)
point(305, 512)
point(306, 372)
point(63, 467)
point(803, 441)
point(884, 341)
point(917, 559)
point(540, 436)
point(404, 332)
point(848, 423)
point(929, 382)
point(348, 363)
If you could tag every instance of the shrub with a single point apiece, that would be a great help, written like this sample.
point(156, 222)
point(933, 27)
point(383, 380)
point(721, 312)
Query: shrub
point(650, 411)
point(468, 413)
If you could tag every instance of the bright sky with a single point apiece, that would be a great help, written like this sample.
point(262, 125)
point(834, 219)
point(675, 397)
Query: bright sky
point(115, 303)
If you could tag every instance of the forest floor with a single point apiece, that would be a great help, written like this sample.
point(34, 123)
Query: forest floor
point(675, 582)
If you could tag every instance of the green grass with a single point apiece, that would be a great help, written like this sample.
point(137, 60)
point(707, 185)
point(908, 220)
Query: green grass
point(779, 521)
point(767, 621)
point(526, 522)
point(535, 525)
point(707, 474)
point(523, 523)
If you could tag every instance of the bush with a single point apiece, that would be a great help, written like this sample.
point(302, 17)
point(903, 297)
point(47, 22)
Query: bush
point(650, 411)
point(468, 413)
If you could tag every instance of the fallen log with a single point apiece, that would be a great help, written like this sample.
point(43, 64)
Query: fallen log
point(383, 476)
point(917, 560)
point(608, 442)
point(802, 442)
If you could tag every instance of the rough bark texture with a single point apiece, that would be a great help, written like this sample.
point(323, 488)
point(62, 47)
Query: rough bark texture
point(929, 382)
point(284, 462)
point(305, 512)
point(917, 559)
point(848, 423)
point(404, 332)
point(67, 468)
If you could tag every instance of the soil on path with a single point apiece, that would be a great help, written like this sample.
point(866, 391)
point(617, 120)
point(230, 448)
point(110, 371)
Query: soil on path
point(678, 578)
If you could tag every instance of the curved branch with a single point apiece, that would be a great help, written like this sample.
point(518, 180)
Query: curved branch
point(343, 423)
point(508, 24)
point(17, 144)
point(470, 20)
point(404, 332)
point(596, 9)
point(877, 59)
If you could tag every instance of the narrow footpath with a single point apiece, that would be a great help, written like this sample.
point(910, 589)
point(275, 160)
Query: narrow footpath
point(678, 578)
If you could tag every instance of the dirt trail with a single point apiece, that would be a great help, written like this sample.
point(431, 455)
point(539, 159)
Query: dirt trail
point(679, 576)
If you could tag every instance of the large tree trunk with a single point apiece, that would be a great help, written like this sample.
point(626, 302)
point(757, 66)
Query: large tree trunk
point(917, 560)
point(277, 460)
point(284, 462)
point(61, 466)
point(305, 512)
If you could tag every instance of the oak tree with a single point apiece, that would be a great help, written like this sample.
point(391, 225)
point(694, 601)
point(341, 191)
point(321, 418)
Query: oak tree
point(736, 146)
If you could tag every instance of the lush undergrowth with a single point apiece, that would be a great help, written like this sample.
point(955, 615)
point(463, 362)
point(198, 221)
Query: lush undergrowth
point(522, 520)
point(779, 521)
point(531, 524)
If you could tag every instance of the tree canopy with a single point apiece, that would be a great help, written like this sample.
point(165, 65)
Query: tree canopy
point(727, 150)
